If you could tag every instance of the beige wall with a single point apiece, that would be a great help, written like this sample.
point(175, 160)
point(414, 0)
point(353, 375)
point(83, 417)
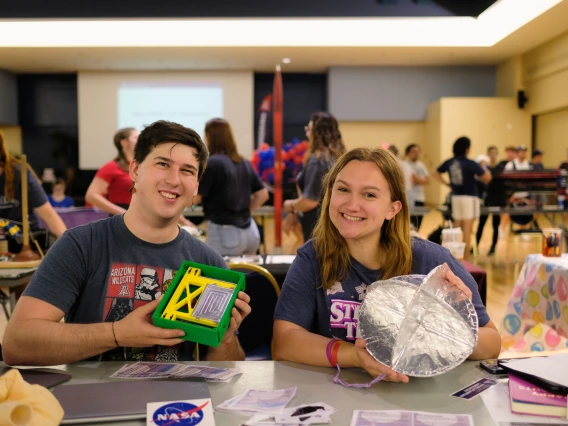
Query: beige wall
point(370, 134)
point(13, 138)
point(545, 71)
point(486, 121)
point(545, 78)
point(509, 78)
point(552, 137)
point(432, 155)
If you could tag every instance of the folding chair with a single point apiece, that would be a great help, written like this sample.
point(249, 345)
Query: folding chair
point(255, 332)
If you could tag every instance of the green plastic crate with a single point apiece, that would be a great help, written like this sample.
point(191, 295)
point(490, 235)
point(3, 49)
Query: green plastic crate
point(194, 332)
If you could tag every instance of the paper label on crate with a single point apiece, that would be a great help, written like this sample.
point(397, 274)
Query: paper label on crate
point(213, 303)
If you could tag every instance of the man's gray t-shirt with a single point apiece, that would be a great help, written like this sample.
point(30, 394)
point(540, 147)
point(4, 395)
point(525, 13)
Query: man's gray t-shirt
point(101, 272)
point(334, 312)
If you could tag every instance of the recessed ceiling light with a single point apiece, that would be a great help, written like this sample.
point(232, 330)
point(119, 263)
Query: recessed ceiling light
point(497, 22)
point(286, 60)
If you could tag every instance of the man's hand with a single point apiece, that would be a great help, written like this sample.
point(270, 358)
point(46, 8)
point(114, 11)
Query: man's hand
point(136, 331)
point(374, 367)
point(238, 314)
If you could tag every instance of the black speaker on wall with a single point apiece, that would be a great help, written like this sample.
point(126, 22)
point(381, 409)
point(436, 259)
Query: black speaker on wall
point(521, 99)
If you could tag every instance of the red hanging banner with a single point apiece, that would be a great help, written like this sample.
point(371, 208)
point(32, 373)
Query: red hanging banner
point(277, 127)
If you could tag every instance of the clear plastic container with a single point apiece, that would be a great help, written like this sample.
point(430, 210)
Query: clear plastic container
point(452, 235)
point(457, 248)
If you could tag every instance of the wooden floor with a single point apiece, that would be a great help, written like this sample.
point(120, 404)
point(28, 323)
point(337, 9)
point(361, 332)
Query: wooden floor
point(501, 268)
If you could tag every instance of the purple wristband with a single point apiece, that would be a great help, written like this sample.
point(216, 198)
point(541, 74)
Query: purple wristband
point(328, 349)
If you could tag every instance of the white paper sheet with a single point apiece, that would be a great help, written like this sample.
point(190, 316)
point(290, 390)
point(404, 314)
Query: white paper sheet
point(553, 368)
point(280, 259)
point(264, 401)
point(407, 418)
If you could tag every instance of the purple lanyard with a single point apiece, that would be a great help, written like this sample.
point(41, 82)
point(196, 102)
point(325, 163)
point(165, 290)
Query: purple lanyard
point(339, 381)
point(342, 382)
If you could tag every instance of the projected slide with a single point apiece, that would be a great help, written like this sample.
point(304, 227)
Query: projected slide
point(192, 105)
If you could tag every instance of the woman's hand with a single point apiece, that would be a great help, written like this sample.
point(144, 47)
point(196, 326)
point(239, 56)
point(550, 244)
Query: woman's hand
point(374, 368)
point(454, 280)
point(289, 223)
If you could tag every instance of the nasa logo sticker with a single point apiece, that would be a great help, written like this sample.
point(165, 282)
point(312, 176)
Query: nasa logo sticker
point(179, 413)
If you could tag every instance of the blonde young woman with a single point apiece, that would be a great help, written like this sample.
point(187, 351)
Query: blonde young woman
point(363, 235)
point(325, 145)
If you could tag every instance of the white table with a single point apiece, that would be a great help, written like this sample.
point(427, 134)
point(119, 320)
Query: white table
point(315, 384)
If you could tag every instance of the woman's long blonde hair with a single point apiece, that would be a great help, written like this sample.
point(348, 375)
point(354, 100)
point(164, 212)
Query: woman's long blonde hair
point(331, 248)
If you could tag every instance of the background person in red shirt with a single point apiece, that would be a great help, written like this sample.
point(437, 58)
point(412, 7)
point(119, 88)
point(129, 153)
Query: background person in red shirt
point(109, 190)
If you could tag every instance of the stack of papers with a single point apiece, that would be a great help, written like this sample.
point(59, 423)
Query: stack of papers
point(158, 370)
point(407, 418)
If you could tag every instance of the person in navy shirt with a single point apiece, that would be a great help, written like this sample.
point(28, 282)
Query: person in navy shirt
point(465, 197)
point(363, 235)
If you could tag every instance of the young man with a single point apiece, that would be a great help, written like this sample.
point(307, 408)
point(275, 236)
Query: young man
point(495, 197)
point(420, 178)
point(536, 163)
point(94, 275)
point(510, 155)
point(520, 162)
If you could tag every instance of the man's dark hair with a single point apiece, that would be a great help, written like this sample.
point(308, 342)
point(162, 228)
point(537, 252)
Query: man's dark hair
point(409, 148)
point(461, 146)
point(166, 131)
point(393, 149)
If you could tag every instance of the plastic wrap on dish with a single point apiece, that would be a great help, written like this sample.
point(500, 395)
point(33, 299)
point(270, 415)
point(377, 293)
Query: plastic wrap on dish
point(419, 325)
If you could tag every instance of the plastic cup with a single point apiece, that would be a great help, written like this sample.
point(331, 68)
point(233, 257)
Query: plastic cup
point(452, 235)
point(456, 248)
point(552, 242)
